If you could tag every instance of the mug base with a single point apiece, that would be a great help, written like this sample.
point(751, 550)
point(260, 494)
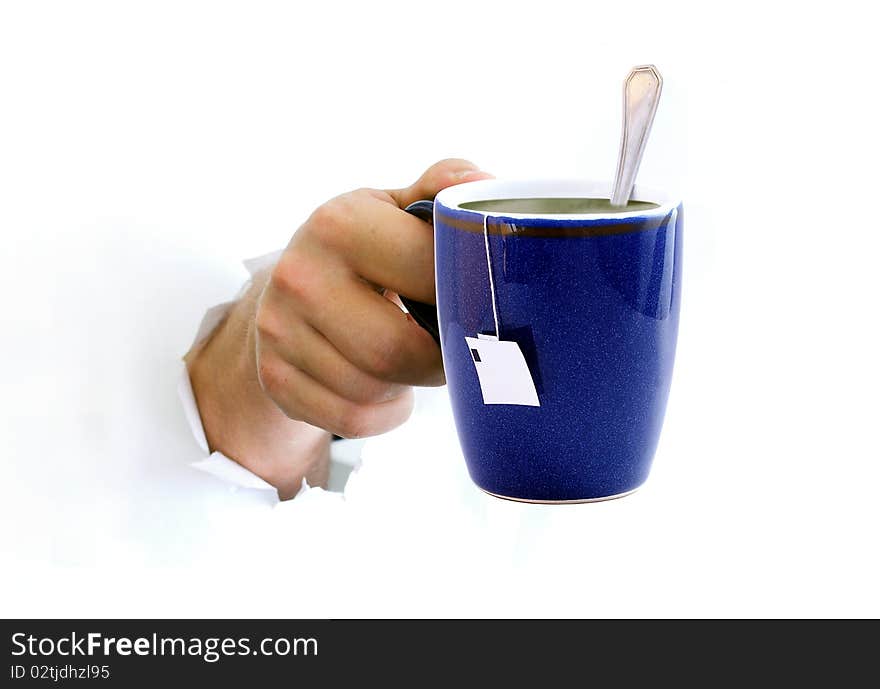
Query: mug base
point(577, 501)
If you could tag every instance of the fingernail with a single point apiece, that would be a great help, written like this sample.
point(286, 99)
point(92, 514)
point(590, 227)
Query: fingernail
point(467, 174)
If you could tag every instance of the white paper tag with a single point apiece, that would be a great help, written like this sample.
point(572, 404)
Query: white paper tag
point(503, 372)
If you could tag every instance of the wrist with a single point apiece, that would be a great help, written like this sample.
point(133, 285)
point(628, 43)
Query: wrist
point(240, 420)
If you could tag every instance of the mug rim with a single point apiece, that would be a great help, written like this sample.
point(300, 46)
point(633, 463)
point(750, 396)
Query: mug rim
point(452, 197)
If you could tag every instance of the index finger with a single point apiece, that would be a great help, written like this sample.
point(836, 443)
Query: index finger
point(379, 242)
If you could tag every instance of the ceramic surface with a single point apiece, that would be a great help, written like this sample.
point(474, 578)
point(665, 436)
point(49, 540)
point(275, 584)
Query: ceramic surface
point(593, 301)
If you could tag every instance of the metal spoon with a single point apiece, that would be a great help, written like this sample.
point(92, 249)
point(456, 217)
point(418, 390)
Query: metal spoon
point(641, 93)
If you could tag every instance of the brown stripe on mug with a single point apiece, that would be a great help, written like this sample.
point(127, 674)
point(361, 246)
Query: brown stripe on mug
point(565, 228)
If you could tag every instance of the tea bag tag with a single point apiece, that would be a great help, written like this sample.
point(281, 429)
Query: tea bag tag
point(501, 367)
point(503, 372)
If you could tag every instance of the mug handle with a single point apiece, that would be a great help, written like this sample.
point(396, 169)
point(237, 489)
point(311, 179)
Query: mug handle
point(424, 314)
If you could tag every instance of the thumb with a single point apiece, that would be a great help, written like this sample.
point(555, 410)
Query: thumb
point(440, 175)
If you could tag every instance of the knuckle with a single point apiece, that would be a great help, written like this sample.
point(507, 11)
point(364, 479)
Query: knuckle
point(383, 357)
point(368, 391)
point(265, 323)
point(328, 222)
point(270, 376)
point(325, 215)
point(352, 423)
point(365, 420)
point(294, 277)
point(274, 384)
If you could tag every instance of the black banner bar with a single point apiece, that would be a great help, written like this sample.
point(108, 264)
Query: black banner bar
point(172, 652)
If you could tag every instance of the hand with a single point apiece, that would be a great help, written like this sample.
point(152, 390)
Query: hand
point(319, 344)
point(332, 346)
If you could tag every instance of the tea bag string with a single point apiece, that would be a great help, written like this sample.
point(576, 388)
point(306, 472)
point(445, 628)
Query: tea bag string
point(491, 277)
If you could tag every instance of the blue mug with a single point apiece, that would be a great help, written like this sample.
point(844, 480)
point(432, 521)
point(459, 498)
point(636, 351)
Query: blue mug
point(558, 332)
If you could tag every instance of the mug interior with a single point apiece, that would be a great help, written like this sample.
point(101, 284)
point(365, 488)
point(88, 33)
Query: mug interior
point(531, 199)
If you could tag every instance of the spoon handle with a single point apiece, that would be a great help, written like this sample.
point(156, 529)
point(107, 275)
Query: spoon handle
point(641, 93)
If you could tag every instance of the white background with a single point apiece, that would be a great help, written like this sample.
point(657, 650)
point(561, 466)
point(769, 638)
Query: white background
point(145, 148)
